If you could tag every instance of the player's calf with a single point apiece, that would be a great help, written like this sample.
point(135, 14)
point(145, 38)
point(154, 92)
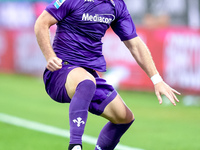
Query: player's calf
point(78, 110)
point(110, 135)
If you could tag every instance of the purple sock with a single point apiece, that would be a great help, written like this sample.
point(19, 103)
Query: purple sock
point(110, 135)
point(78, 110)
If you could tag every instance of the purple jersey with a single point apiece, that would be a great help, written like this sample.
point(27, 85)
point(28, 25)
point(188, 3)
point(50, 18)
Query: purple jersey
point(81, 26)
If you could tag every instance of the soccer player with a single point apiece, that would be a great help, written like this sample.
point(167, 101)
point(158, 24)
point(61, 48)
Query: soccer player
point(76, 55)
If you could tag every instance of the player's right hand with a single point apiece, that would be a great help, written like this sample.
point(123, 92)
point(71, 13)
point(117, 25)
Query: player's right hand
point(54, 63)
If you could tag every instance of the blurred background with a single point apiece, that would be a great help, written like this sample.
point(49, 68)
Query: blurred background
point(171, 30)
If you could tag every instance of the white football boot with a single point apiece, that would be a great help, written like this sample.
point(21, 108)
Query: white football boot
point(77, 147)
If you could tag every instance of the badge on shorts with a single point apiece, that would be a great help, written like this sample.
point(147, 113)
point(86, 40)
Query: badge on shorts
point(58, 3)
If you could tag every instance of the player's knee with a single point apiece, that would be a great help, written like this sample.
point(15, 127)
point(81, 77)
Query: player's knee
point(90, 78)
point(125, 118)
point(75, 77)
point(86, 82)
point(78, 75)
point(129, 118)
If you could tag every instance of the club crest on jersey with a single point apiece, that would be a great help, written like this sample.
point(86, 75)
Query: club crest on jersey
point(58, 3)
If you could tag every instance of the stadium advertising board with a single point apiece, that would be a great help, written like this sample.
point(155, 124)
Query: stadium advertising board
point(176, 52)
point(182, 60)
point(28, 56)
point(6, 51)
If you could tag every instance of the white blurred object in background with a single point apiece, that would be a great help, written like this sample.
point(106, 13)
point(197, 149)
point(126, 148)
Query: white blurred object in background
point(16, 15)
point(115, 75)
point(194, 13)
point(191, 100)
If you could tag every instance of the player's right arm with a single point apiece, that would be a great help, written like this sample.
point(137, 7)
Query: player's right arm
point(42, 25)
point(142, 55)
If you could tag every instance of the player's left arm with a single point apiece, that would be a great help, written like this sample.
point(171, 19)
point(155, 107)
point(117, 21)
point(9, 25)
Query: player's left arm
point(143, 57)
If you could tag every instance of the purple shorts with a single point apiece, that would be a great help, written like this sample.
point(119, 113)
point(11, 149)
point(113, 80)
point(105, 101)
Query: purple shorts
point(55, 87)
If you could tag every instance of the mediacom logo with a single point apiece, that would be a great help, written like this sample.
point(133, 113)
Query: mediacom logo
point(104, 18)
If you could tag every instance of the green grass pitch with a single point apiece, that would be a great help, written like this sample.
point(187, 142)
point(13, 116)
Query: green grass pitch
point(157, 127)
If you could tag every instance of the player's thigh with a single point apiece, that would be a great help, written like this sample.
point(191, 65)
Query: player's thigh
point(74, 77)
point(117, 111)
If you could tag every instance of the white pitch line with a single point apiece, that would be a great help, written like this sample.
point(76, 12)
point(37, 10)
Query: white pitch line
point(52, 130)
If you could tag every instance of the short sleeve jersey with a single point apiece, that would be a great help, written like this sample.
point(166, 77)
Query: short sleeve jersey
point(81, 26)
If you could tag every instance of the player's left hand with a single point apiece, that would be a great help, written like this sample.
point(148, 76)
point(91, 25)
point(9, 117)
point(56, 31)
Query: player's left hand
point(162, 88)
